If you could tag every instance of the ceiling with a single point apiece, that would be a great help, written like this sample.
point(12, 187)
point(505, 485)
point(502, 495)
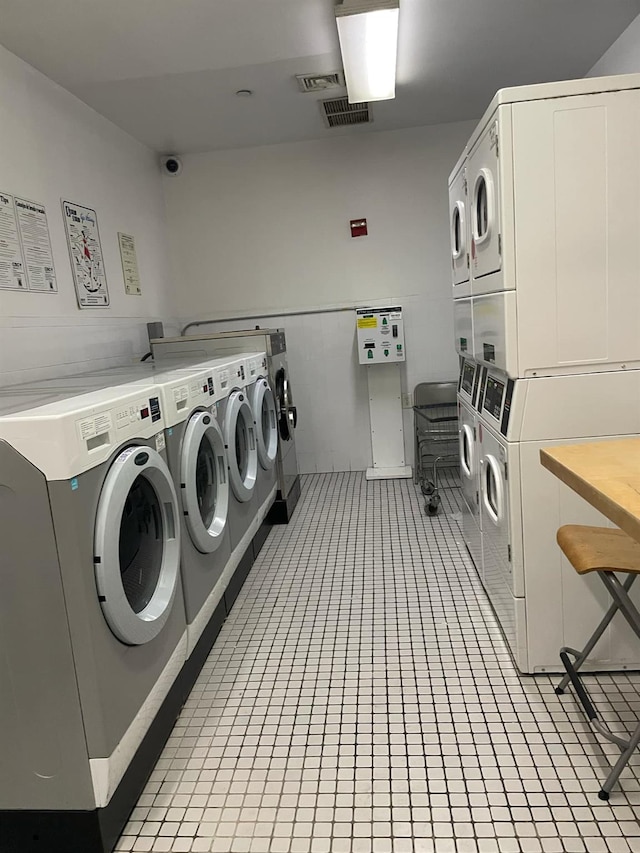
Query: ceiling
point(167, 71)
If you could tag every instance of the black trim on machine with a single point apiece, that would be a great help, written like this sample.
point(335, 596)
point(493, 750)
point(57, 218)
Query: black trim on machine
point(506, 410)
point(282, 510)
point(476, 385)
point(483, 384)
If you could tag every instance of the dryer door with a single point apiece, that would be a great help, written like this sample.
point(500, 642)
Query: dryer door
point(287, 412)
point(204, 483)
point(459, 228)
point(137, 545)
point(484, 190)
point(264, 413)
point(240, 439)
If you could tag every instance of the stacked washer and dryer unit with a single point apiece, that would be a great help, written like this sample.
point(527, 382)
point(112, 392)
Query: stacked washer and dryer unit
point(129, 472)
point(544, 215)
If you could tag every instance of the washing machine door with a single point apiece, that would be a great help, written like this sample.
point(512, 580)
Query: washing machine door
point(467, 452)
point(493, 497)
point(264, 413)
point(240, 440)
point(204, 483)
point(137, 545)
point(287, 412)
point(485, 205)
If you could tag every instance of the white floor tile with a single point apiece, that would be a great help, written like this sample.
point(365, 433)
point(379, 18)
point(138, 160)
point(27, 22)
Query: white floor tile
point(361, 699)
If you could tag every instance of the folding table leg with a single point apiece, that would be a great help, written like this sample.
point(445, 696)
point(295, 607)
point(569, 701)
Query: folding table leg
point(621, 601)
point(584, 654)
point(620, 764)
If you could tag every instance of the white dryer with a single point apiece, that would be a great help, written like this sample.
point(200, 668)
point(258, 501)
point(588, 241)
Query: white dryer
point(553, 285)
point(539, 600)
point(459, 228)
point(92, 698)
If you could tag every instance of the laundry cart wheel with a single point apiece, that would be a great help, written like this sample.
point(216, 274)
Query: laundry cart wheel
point(432, 507)
point(428, 488)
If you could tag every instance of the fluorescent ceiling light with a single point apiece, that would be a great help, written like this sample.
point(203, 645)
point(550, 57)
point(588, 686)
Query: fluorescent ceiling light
point(368, 33)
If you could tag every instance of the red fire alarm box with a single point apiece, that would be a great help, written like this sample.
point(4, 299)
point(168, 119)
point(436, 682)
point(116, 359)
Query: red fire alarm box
point(358, 227)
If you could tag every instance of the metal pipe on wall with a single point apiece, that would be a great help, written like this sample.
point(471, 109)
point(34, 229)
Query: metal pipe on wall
point(302, 313)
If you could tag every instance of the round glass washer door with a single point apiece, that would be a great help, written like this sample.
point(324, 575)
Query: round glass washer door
point(137, 545)
point(264, 412)
point(240, 441)
point(204, 483)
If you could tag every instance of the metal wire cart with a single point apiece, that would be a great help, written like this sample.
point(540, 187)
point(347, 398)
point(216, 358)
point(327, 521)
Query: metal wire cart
point(435, 416)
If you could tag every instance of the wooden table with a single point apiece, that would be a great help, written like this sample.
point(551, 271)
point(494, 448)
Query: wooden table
point(606, 474)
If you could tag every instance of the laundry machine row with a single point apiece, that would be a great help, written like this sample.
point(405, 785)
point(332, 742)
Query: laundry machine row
point(273, 342)
point(126, 583)
point(541, 219)
point(539, 601)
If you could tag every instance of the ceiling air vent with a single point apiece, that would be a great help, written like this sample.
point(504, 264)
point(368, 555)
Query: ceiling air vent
point(338, 112)
point(320, 82)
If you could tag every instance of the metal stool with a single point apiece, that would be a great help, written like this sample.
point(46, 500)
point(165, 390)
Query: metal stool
point(606, 551)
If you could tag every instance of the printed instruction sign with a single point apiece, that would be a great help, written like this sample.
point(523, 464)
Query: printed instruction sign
point(85, 251)
point(12, 272)
point(36, 245)
point(129, 260)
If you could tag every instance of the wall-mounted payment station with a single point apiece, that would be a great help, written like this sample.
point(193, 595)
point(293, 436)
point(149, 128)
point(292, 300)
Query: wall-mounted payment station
point(380, 334)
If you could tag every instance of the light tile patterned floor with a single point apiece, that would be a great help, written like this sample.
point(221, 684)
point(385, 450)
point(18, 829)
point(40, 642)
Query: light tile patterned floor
point(360, 699)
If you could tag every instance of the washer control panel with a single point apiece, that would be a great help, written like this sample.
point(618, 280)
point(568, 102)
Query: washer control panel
point(255, 365)
point(380, 335)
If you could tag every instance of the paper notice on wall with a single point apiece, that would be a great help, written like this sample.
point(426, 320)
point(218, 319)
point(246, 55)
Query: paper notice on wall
point(129, 264)
point(36, 245)
point(12, 272)
point(85, 251)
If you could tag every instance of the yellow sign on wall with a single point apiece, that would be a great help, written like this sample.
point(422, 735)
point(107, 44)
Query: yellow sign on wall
point(367, 323)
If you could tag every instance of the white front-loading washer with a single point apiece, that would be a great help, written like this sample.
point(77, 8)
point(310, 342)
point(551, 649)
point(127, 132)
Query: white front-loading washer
point(89, 523)
point(497, 495)
point(470, 482)
point(459, 229)
point(238, 427)
point(468, 390)
point(197, 459)
point(265, 415)
point(540, 601)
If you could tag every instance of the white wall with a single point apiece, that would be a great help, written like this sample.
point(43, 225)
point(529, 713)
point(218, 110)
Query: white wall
point(54, 146)
point(623, 57)
point(267, 230)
